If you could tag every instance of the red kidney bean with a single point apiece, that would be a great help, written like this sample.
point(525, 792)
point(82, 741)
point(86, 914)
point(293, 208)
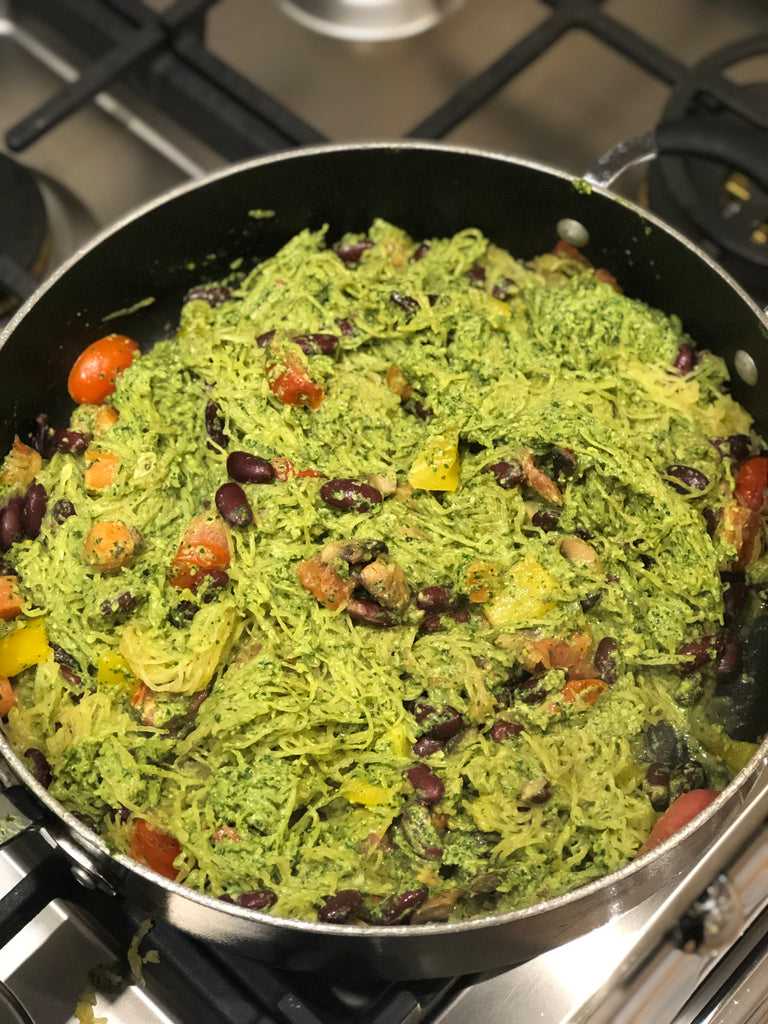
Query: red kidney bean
point(406, 302)
point(350, 495)
point(123, 604)
point(690, 479)
point(503, 730)
point(264, 339)
point(476, 274)
point(184, 611)
point(565, 462)
point(419, 832)
point(460, 615)
point(502, 288)
point(663, 744)
point(508, 474)
point(735, 591)
point(427, 745)
point(257, 899)
point(685, 359)
point(226, 898)
point(531, 692)
point(740, 447)
point(536, 791)
point(41, 436)
point(420, 253)
point(338, 908)
point(71, 676)
point(431, 624)
point(33, 512)
point(62, 657)
point(346, 326)
point(686, 777)
point(699, 652)
point(711, 519)
point(214, 580)
point(546, 519)
point(351, 252)
point(249, 469)
point(435, 599)
point(214, 295)
point(11, 522)
point(606, 660)
point(40, 767)
point(233, 505)
point(70, 441)
point(363, 610)
point(214, 424)
point(397, 908)
point(431, 788)
point(657, 779)
point(440, 725)
point(62, 510)
point(728, 654)
point(589, 600)
point(316, 344)
point(487, 881)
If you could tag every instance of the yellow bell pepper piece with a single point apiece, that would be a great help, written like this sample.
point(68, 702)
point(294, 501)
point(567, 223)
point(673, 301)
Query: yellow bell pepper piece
point(365, 793)
point(113, 670)
point(526, 597)
point(25, 646)
point(437, 467)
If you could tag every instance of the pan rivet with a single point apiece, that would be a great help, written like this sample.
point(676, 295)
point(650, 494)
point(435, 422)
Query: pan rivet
point(573, 231)
point(745, 367)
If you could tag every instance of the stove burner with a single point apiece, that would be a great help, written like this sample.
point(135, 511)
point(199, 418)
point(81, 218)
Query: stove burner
point(374, 21)
point(719, 208)
point(24, 239)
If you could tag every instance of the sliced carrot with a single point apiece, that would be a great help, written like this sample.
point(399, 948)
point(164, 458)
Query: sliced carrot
point(109, 545)
point(11, 601)
point(100, 469)
point(7, 696)
point(106, 417)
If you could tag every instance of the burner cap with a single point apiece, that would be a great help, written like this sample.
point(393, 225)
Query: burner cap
point(714, 205)
point(368, 20)
point(23, 222)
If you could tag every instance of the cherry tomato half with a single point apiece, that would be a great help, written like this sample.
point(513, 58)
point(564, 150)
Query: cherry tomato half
point(92, 378)
point(752, 482)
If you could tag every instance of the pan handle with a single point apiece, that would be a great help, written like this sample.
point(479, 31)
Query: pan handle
point(736, 145)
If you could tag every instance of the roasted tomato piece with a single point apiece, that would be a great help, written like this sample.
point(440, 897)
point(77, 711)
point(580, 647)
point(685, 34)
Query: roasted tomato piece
point(155, 849)
point(289, 380)
point(205, 547)
point(681, 811)
point(752, 483)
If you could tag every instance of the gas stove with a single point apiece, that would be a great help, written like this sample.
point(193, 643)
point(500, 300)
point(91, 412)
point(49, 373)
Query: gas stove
point(107, 104)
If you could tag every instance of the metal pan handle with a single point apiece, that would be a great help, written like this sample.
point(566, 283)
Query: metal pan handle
point(737, 145)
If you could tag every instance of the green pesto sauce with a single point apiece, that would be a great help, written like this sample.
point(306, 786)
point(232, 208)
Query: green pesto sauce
point(275, 735)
